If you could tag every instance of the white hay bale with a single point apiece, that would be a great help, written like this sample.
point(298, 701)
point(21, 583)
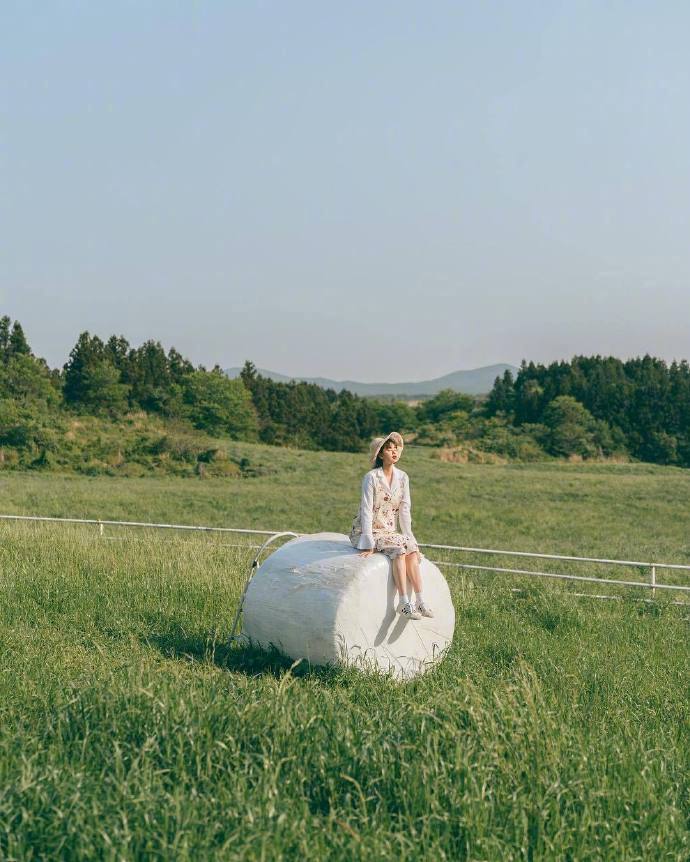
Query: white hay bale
point(316, 598)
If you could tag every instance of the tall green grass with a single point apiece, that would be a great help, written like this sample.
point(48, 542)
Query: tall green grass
point(556, 728)
point(613, 510)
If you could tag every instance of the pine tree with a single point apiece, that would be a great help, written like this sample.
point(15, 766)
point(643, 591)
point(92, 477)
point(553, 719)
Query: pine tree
point(148, 375)
point(178, 365)
point(19, 346)
point(248, 373)
point(4, 338)
point(502, 397)
point(91, 380)
point(117, 351)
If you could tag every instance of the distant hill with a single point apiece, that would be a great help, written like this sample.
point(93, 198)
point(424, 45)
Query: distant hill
point(477, 381)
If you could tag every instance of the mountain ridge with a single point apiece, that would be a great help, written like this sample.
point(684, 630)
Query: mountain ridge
point(474, 381)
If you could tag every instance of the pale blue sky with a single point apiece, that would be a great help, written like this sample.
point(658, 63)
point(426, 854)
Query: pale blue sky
point(372, 190)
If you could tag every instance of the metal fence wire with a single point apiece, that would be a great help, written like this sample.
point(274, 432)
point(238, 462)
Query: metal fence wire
point(466, 559)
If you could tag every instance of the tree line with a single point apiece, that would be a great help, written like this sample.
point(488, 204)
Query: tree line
point(590, 407)
point(111, 378)
point(601, 405)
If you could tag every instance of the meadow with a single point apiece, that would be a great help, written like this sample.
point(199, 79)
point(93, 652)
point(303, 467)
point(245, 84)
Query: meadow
point(556, 728)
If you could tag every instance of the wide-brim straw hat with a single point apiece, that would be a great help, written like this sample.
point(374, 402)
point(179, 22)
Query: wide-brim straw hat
point(378, 443)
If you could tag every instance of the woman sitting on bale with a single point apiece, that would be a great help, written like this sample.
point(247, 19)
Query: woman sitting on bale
point(385, 494)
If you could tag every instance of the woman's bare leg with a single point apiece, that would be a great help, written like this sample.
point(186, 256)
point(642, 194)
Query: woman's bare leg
point(412, 570)
point(399, 575)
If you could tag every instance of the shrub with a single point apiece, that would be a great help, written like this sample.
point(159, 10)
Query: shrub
point(572, 430)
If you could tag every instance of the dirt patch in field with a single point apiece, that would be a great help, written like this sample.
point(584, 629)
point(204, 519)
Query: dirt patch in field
point(467, 455)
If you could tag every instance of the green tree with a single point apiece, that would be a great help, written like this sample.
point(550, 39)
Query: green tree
point(28, 381)
point(662, 448)
point(529, 400)
point(149, 378)
point(445, 402)
point(501, 399)
point(248, 373)
point(19, 346)
point(24, 428)
point(178, 366)
point(572, 430)
point(15, 424)
point(5, 338)
point(91, 380)
point(220, 405)
point(343, 434)
point(12, 340)
point(117, 351)
point(392, 416)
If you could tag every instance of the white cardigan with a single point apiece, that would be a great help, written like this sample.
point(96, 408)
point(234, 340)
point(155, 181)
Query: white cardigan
point(366, 506)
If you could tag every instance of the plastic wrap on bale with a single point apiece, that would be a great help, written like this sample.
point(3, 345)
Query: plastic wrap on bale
point(316, 598)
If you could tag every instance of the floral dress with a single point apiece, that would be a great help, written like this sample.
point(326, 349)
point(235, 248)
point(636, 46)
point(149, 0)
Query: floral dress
point(374, 527)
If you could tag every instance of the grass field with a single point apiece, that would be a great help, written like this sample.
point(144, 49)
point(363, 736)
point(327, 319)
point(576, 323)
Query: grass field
point(556, 728)
point(593, 509)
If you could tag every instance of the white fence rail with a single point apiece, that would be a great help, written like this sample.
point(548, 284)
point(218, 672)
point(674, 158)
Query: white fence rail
point(101, 523)
point(652, 583)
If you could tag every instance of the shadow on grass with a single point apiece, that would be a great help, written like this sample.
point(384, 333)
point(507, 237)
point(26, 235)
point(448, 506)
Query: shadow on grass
point(176, 642)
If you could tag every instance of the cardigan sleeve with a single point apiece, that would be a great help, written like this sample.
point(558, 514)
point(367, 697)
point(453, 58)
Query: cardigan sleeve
point(405, 513)
point(366, 514)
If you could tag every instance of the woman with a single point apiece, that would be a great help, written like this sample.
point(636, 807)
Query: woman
point(385, 494)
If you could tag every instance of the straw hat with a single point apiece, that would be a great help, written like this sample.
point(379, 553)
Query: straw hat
point(378, 442)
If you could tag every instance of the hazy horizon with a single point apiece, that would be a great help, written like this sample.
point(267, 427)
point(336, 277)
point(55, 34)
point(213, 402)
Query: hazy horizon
point(376, 192)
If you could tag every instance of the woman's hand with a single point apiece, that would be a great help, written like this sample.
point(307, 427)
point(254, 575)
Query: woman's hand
point(367, 553)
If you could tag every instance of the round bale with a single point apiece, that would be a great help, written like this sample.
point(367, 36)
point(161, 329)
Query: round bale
point(315, 598)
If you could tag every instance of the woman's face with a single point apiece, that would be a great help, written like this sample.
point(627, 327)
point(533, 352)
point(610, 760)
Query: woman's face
point(390, 453)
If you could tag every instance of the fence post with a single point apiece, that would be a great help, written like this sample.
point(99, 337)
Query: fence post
point(653, 581)
point(100, 527)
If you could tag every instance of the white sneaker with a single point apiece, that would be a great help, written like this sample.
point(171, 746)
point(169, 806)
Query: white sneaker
point(424, 610)
point(408, 610)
